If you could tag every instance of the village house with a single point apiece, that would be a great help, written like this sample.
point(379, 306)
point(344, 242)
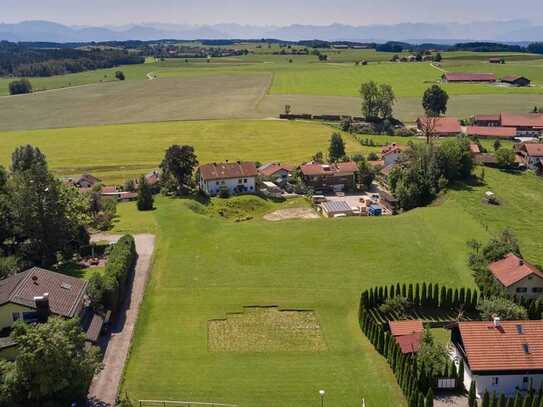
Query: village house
point(35, 294)
point(501, 356)
point(390, 154)
point(517, 276)
point(439, 126)
point(275, 172)
point(525, 124)
point(407, 334)
point(516, 80)
point(232, 178)
point(500, 133)
point(532, 154)
point(469, 77)
point(335, 177)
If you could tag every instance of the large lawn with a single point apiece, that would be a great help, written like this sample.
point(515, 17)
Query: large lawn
point(206, 267)
point(114, 153)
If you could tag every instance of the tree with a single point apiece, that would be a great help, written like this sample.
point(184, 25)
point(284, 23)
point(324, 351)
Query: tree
point(504, 308)
point(438, 57)
point(20, 87)
point(52, 367)
point(336, 151)
point(120, 75)
point(429, 398)
point(435, 101)
point(505, 157)
point(377, 101)
point(486, 399)
point(455, 159)
point(48, 218)
point(366, 174)
point(318, 157)
point(497, 145)
point(472, 395)
point(145, 195)
point(178, 167)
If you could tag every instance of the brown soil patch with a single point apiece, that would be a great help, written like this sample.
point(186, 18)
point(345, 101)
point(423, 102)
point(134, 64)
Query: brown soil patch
point(291, 213)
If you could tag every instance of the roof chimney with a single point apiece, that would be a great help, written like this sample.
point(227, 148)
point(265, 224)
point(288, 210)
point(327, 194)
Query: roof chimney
point(35, 279)
point(521, 262)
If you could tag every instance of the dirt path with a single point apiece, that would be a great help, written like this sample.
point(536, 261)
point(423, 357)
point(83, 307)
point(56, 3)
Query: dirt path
point(105, 386)
point(438, 68)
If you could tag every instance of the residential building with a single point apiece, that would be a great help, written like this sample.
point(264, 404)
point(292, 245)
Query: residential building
point(493, 132)
point(233, 178)
point(525, 124)
point(86, 181)
point(335, 177)
point(501, 356)
point(275, 172)
point(408, 334)
point(517, 276)
point(390, 154)
point(468, 77)
point(516, 80)
point(439, 126)
point(532, 154)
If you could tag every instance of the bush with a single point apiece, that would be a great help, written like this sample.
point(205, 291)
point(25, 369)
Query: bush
point(20, 87)
point(120, 75)
point(395, 305)
point(373, 156)
point(405, 132)
point(503, 308)
point(8, 266)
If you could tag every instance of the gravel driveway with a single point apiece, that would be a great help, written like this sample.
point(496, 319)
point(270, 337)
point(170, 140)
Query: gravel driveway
point(105, 386)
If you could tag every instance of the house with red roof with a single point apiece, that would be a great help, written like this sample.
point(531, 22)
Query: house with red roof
point(390, 154)
point(532, 155)
point(525, 124)
point(408, 334)
point(494, 132)
point(439, 126)
point(500, 356)
point(469, 77)
point(517, 276)
point(333, 177)
point(233, 178)
point(275, 172)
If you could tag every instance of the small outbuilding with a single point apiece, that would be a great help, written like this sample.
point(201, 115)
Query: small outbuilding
point(516, 80)
point(375, 210)
point(335, 209)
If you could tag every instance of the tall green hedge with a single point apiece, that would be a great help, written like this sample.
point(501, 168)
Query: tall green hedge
point(119, 267)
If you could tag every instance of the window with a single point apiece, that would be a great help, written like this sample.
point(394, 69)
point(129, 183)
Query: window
point(526, 348)
point(522, 290)
point(537, 290)
point(495, 381)
point(525, 380)
point(245, 181)
point(240, 181)
point(217, 183)
point(16, 315)
point(520, 329)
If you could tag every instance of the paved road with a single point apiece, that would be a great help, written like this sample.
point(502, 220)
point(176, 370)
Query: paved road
point(105, 386)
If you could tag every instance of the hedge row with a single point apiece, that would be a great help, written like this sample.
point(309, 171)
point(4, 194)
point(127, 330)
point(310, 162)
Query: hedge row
point(119, 267)
point(421, 295)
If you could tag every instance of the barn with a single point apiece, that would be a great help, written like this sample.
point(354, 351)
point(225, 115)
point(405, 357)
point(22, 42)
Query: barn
point(516, 80)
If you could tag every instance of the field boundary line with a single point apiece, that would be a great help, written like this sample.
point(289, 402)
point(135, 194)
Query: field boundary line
point(184, 403)
point(438, 68)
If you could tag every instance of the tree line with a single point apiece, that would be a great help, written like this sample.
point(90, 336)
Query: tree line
point(24, 61)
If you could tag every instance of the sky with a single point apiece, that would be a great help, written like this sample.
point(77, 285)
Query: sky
point(266, 12)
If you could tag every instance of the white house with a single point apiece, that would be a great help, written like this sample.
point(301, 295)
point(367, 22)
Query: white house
point(236, 178)
point(501, 356)
point(517, 276)
point(532, 154)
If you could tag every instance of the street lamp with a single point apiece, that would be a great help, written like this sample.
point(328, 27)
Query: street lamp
point(322, 393)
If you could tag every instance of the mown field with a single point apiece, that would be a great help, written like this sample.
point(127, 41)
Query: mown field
point(209, 267)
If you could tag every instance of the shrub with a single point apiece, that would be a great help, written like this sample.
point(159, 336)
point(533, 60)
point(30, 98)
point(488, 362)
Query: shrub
point(373, 156)
point(396, 305)
point(20, 87)
point(502, 307)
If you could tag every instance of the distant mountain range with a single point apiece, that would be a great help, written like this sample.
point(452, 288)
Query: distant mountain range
point(503, 31)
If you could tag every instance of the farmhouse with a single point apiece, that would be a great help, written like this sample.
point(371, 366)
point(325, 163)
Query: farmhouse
point(504, 133)
point(439, 126)
point(469, 77)
point(532, 154)
point(408, 334)
point(333, 177)
point(275, 172)
point(526, 124)
point(517, 276)
point(516, 80)
point(233, 178)
point(501, 356)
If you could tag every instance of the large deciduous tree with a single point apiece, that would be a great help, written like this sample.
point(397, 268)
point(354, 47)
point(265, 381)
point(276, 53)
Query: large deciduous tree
point(177, 168)
point(53, 366)
point(435, 101)
point(377, 101)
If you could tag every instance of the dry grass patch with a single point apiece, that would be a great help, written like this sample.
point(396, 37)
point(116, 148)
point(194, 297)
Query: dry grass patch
point(266, 329)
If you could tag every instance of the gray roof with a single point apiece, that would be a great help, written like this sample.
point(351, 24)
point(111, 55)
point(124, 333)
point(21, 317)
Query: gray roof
point(336, 206)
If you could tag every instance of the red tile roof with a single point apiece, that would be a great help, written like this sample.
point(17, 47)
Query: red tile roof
point(66, 294)
point(409, 343)
point(522, 120)
point(392, 148)
point(469, 77)
point(533, 149)
point(346, 168)
point(228, 170)
point(408, 327)
point(498, 132)
point(503, 348)
point(269, 170)
point(474, 148)
point(442, 125)
point(512, 269)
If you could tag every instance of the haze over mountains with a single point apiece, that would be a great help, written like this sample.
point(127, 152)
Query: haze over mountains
point(504, 31)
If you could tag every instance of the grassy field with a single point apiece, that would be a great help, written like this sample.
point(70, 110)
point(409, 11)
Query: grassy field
point(210, 267)
point(114, 153)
